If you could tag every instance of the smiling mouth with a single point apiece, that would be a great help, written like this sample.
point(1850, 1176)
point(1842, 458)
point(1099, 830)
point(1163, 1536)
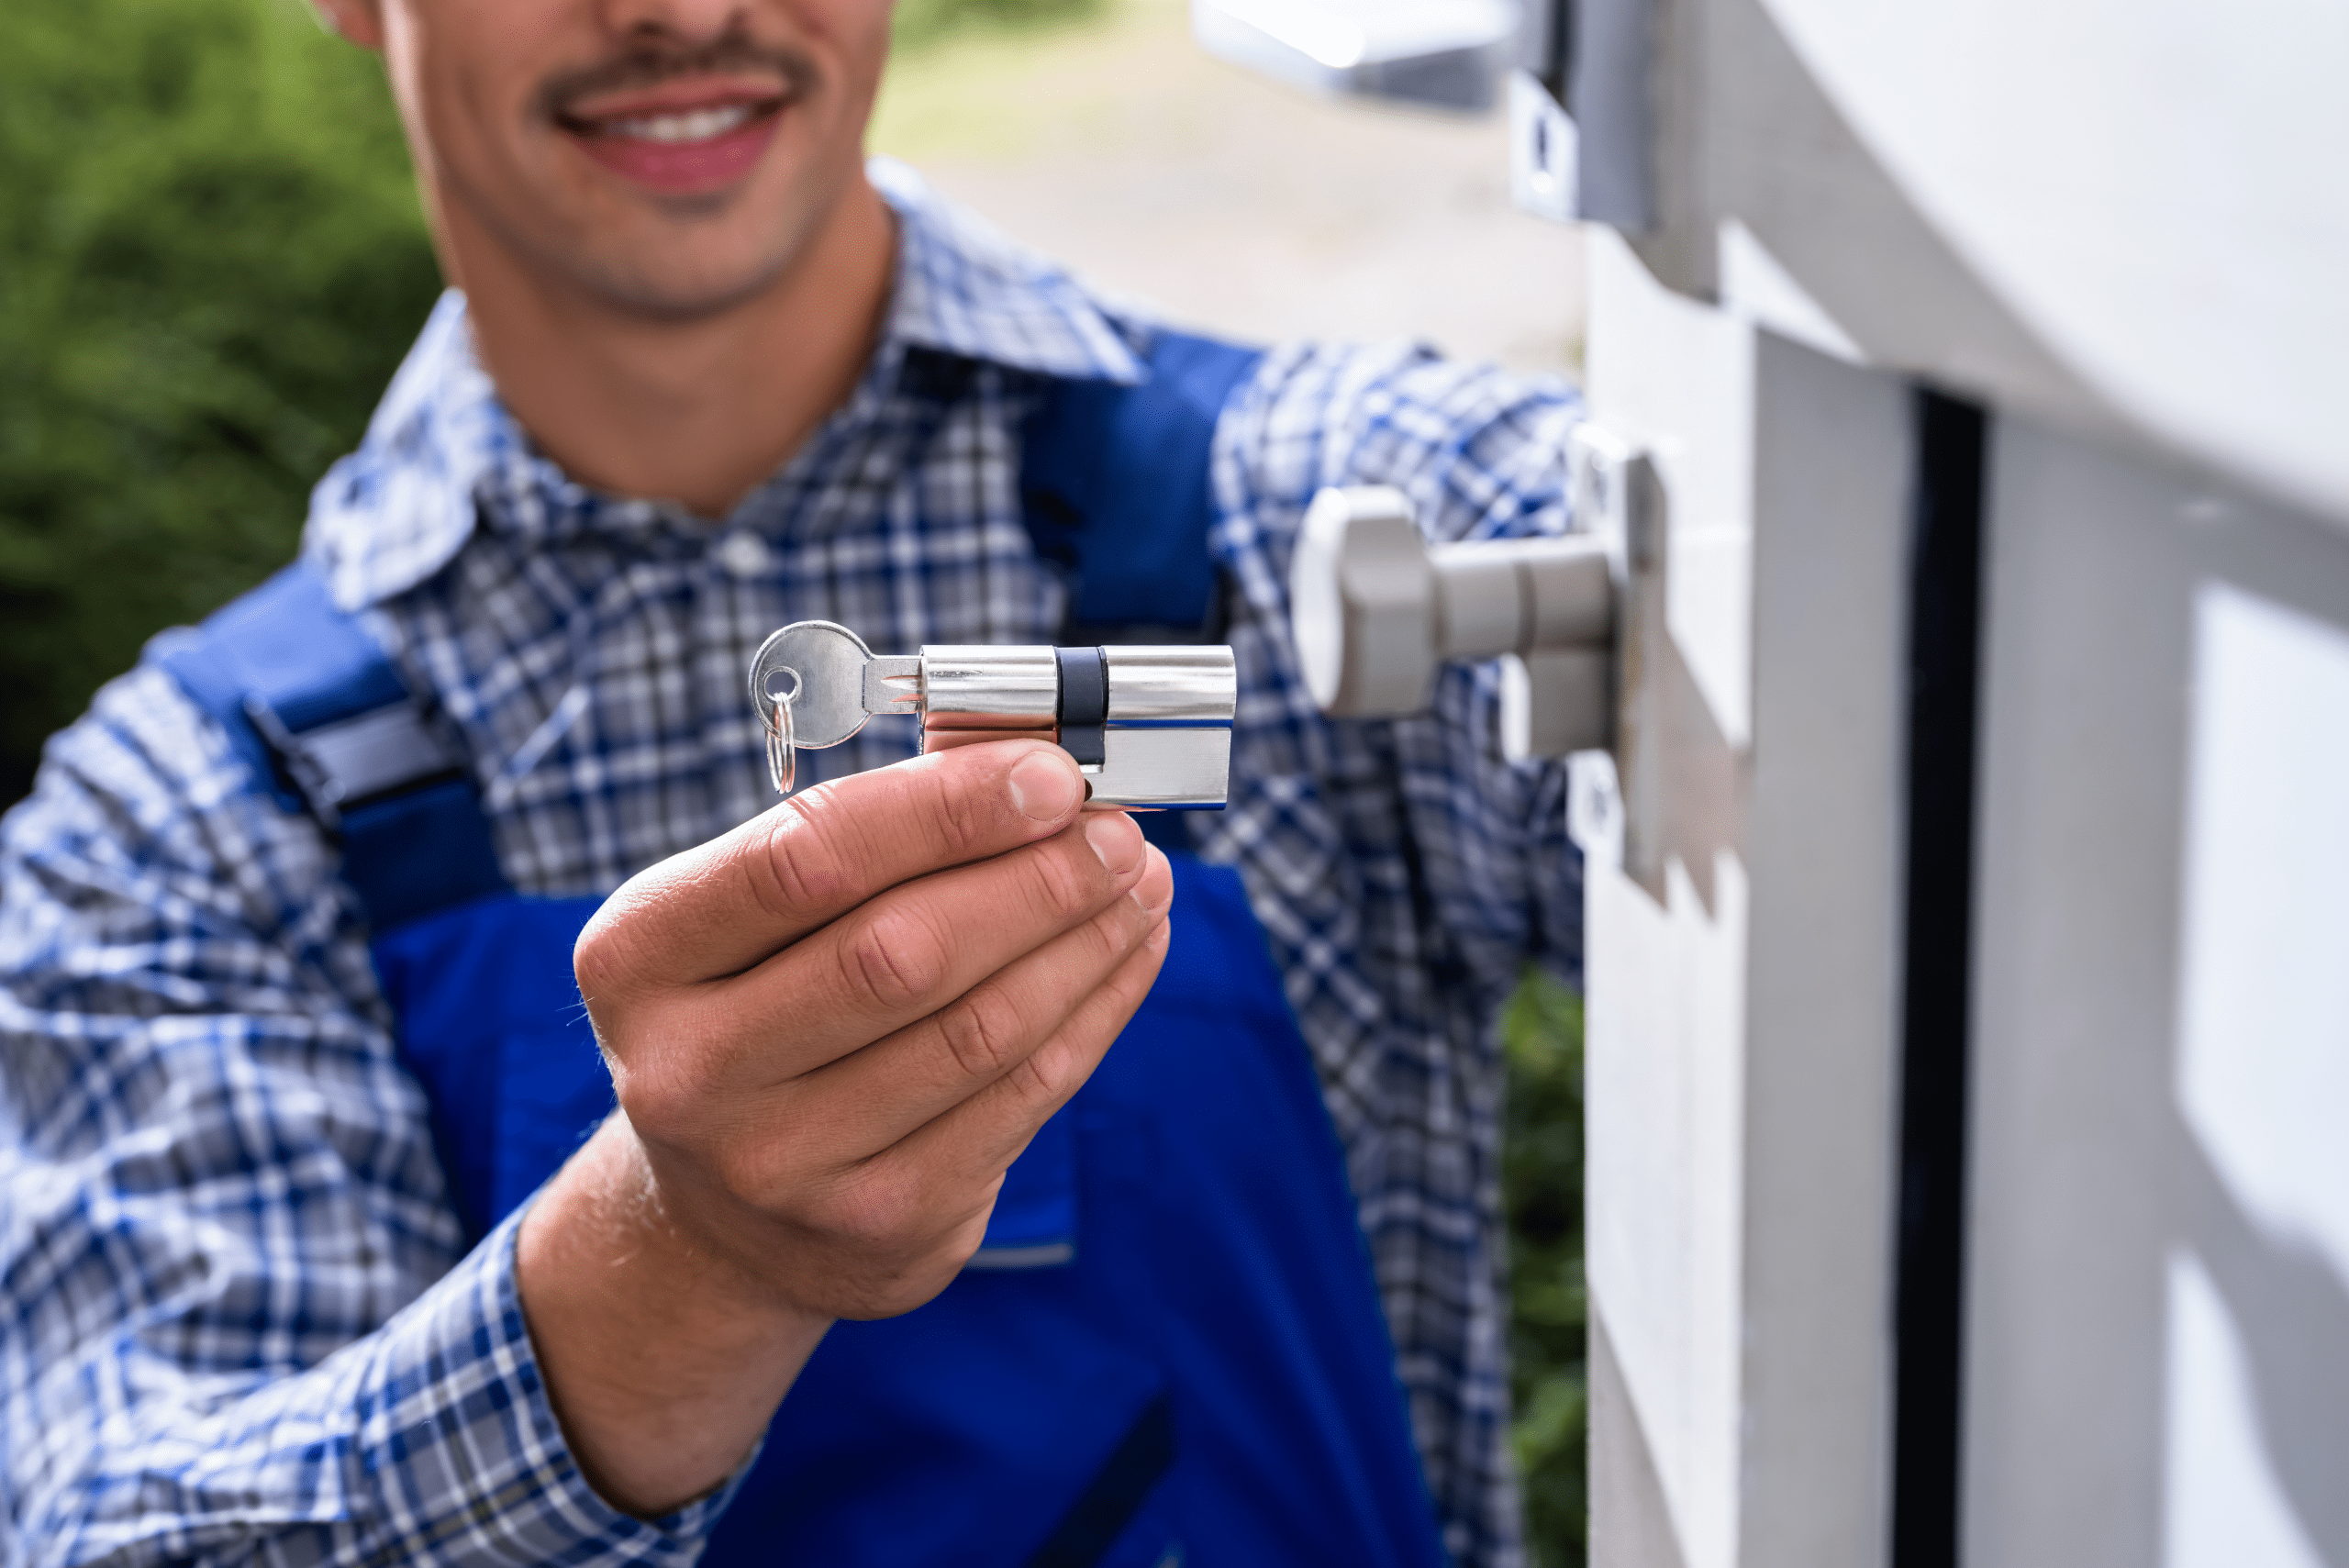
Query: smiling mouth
point(685, 150)
point(677, 128)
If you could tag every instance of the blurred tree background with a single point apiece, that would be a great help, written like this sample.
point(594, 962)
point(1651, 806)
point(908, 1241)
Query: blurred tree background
point(211, 261)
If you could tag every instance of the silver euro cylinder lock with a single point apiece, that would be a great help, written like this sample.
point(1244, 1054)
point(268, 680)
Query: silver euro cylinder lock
point(1376, 611)
point(1147, 725)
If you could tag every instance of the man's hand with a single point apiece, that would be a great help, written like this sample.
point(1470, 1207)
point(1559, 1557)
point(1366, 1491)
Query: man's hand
point(831, 1031)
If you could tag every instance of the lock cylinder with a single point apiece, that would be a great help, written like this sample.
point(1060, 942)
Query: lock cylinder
point(1147, 726)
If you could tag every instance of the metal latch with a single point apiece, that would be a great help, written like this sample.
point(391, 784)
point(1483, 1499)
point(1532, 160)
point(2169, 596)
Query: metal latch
point(1376, 610)
point(1578, 621)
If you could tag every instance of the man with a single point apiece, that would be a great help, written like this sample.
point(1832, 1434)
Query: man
point(246, 1322)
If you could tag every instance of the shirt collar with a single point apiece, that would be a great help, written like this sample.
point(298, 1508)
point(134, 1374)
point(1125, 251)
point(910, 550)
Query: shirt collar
point(965, 288)
point(399, 509)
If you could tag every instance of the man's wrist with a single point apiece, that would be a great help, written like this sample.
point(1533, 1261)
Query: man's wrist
point(664, 1360)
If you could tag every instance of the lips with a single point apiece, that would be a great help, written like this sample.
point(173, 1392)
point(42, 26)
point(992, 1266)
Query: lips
point(683, 147)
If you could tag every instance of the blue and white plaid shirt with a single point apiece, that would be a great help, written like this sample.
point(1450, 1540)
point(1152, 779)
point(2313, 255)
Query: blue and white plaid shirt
point(238, 1321)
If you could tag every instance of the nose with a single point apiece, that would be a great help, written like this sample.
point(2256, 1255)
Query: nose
point(681, 21)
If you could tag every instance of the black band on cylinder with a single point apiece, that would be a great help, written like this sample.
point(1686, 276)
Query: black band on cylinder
point(1084, 686)
point(1085, 701)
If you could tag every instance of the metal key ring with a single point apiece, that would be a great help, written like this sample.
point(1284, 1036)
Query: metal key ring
point(782, 760)
point(762, 700)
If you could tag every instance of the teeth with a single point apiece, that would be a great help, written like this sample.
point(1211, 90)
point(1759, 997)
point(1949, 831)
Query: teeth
point(695, 125)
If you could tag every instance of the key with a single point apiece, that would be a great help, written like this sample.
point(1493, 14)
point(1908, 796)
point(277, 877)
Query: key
point(1148, 727)
point(807, 688)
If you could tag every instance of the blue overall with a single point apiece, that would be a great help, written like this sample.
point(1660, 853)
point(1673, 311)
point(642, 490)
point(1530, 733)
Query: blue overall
point(1168, 1349)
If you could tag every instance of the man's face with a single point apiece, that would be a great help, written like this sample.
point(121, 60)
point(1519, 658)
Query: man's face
point(670, 157)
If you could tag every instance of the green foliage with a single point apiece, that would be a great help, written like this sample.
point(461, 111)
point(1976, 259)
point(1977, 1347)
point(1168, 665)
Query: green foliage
point(211, 259)
point(1549, 1321)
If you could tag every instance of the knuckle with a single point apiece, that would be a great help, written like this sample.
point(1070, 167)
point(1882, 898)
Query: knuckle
point(1061, 881)
point(597, 971)
point(962, 806)
point(663, 1097)
point(743, 1167)
point(604, 961)
point(1135, 977)
point(1042, 1081)
point(799, 864)
point(981, 1033)
point(892, 960)
point(1118, 930)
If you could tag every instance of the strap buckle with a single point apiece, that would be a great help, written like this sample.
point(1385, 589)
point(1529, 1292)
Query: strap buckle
point(343, 765)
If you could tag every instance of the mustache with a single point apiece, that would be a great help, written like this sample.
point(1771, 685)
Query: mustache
point(649, 65)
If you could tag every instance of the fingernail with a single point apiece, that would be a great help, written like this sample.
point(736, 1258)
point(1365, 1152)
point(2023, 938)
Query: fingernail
point(1045, 786)
point(1114, 838)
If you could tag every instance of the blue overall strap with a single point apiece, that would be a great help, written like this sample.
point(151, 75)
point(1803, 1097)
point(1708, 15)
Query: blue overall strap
point(328, 727)
point(1115, 484)
point(476, 976)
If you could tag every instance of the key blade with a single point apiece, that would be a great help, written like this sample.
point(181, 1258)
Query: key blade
point(893, 683)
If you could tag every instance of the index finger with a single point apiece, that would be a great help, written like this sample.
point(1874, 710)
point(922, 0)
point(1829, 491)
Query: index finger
point(718, 909)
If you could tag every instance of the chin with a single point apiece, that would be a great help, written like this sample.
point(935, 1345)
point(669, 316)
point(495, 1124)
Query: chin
point(679, 287)
point(677, 268)
point(701, 256)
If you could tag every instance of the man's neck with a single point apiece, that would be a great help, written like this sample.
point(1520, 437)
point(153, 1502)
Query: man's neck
point(697, 411)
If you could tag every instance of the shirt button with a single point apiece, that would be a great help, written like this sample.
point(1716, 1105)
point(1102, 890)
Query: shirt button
point(745, 554)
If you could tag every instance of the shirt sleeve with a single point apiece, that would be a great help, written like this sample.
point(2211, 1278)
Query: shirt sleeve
point(1481, 454)
point(238, 1322)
